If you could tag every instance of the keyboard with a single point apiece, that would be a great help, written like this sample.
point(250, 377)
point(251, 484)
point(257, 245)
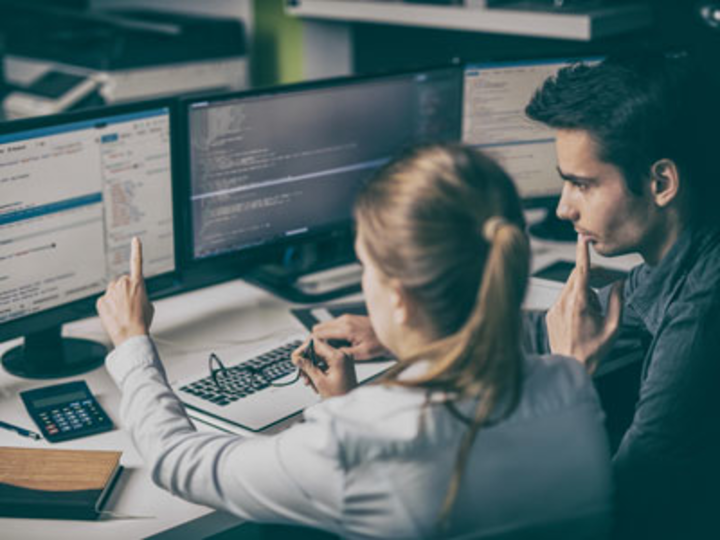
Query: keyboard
point(246, 378)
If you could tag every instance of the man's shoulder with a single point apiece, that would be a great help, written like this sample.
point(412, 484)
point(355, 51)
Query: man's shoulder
point(704, 272)
point(691, 281)
point(699, 293)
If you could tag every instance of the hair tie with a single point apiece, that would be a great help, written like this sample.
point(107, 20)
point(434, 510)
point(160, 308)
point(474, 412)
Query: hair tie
point(492, 226)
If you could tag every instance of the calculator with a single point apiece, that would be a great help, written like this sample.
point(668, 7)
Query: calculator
point(66, 411)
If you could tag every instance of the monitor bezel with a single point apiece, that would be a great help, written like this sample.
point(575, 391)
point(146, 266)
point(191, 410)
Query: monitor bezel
point(85, 307)
point(241, 261)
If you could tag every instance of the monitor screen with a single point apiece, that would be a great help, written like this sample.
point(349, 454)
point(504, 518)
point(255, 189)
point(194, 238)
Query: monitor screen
point(495, 96)
point(286, 163)
point(72, 195)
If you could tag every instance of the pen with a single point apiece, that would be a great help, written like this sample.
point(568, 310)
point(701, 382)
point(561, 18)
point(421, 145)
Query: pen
point(314, 360)
point(20, 431)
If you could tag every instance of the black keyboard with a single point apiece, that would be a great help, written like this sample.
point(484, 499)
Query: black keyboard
point(246, 378)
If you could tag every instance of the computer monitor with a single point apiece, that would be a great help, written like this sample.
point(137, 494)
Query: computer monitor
point(279, 166)
point(74, 190)
point(495, 97)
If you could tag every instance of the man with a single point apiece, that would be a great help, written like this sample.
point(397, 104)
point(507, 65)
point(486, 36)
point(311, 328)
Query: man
point(636, 138)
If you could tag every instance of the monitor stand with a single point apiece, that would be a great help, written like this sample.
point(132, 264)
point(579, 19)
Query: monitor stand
point(307, 288)
point(553, 228)
point(48, 355)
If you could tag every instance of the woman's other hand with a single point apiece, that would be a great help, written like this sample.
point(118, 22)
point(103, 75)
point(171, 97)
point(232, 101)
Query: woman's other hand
point(356, 331)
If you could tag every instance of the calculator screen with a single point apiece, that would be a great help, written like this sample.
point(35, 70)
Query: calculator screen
point(60, 398)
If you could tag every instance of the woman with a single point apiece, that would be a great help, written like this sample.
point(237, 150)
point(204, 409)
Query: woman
point(465, 436)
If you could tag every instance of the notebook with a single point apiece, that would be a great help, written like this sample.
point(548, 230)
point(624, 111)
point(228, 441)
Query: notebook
point(57, 484)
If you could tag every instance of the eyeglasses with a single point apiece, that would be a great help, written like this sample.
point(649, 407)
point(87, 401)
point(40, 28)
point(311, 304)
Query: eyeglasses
point(247, 378)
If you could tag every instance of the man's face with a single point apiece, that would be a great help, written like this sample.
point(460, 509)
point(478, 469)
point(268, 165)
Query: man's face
point(595, 198)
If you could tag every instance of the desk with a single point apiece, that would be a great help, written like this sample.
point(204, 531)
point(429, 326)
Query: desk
point(226, 317)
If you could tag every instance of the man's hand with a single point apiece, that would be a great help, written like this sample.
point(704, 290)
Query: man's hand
point(338, 377)
point(357, 332)
point(124, 309)
point(576, 324)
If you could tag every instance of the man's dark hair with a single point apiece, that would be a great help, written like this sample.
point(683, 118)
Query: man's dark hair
point(640, 108)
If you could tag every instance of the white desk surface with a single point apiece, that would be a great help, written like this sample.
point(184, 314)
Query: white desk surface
point(223, 318)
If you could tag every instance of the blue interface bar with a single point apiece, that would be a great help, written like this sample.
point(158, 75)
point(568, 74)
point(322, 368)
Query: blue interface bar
point(82, 124)
point(51, 208)
point(471, 69)
point(513, 143)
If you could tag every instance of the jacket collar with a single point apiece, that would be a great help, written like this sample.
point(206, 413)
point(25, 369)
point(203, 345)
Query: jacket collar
point(657, 286)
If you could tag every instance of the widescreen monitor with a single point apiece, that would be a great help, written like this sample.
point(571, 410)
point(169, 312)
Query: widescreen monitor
point(74, 190)
point(282, 165)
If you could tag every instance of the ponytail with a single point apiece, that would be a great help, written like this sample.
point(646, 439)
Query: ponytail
point(485, 351)
point(490, 340)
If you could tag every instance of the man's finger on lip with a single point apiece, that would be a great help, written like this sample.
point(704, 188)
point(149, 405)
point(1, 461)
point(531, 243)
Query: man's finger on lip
point(582, 261)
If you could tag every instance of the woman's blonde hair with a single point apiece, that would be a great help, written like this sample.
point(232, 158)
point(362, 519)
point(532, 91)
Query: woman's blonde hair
point(447, 223)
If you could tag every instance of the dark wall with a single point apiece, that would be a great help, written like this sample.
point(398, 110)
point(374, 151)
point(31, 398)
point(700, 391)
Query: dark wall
point(390, 47)
point(385, 47)
point(678, 24)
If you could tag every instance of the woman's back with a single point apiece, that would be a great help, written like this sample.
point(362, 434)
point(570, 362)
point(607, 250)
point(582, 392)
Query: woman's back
point(522, 473)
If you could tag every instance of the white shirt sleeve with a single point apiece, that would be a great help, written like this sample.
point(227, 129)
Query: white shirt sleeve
point(296, 476)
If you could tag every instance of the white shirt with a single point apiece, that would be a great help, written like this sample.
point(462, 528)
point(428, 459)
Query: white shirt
point(372, 464)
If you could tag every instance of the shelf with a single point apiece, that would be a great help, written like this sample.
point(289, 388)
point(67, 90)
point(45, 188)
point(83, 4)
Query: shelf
point(521, 18)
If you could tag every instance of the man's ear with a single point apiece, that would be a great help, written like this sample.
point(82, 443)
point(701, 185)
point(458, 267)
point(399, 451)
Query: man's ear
point(665, 182)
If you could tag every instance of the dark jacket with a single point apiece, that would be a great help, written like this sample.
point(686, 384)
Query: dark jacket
point(667, 462)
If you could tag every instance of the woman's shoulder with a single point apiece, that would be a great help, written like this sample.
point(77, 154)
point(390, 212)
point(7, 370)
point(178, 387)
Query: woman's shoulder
point(550, 383)
point(372, 422)
point(370, 404)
